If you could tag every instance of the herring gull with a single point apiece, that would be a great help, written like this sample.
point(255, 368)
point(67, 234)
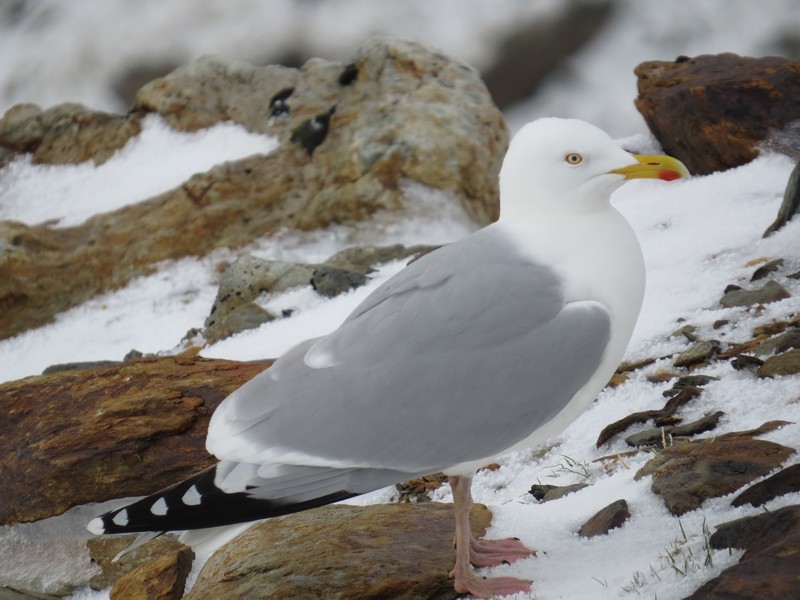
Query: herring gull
point(490, 344)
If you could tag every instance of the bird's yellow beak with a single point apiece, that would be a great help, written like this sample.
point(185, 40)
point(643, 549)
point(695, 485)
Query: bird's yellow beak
point(654, 166)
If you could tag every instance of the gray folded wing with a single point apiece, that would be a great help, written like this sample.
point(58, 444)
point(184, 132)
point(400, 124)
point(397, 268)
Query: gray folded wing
point(464, 353)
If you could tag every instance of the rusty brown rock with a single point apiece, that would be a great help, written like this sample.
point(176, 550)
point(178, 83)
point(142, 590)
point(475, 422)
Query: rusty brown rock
point(123, 430)
point(606, 519)
point(398, 551)
point(351, 138)
point(104, 548)
point(163, 578)
point(787, 363)
point(768, 568)
point(783, 482)
point(685, 474)
point(712, 111)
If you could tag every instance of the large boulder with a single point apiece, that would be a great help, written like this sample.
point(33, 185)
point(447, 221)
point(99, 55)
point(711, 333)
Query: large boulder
point(398, 551)
point(114, 431)
point(714, 111)
point(351, 138)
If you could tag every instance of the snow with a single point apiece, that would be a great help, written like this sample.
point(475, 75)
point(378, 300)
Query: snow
point(154, 161)
point(697, 236)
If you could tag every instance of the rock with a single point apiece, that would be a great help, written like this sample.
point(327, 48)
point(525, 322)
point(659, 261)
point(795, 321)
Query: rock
point(364, 258)
point(417, 490)
point(546, 493)
point(688, 381)
point(699, 352)
point(670, 408)
point(771, 292)
point(713, 111)
point(43, 568)
point(685, 474)
point(241, 318)
point(790, 204)
point(783, 482)
point(766, 269)
point(67, 133)
point(104, 548)
point(398, 551)
point(243, 281)
point(110, 432)
point(77, 366)
point(663, 436)
point(744, 362)
point(161, 579)
point(608, 518)
point(405, 113)
point(332, 281)
point(787, 363)
point(768, 568)
point(537, 47)
point(687, 331)
point(779, 343)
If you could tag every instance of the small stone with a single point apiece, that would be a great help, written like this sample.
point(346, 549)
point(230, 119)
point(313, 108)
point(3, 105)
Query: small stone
point(719, 324)
point(241, 318)
point(697, 353)
point(745, 362)
point(783, 482)
point(787, 363)
point(688, 381)
point(771, 292)
point(766, 269)
point(546, 492)
point(163, 578)
point(331, 281)
point(611, 517)
point(104, 548)
point(669, 409)
point(686, 331)
point(779, 343)
point(663, 436)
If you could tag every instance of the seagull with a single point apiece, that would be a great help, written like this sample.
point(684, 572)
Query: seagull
point(488, 345)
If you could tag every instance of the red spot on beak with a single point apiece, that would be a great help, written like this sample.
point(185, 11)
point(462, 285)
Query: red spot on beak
point(668, 175)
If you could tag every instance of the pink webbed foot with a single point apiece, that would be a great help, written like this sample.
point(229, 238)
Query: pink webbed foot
point(491, 587)
point(490, 553)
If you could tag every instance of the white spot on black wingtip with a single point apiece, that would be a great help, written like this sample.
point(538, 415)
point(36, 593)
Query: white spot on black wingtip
point(121, 518)
point(192, 497)
point(159, 507)
point(96, 526)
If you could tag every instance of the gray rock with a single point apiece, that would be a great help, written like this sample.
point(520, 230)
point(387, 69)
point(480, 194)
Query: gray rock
point(779, 343)
point(331, 281)
point(697, 353)
point(546, 493)
point(771, 292)
point(766, 269)
point(241, 283)
point(364, 258)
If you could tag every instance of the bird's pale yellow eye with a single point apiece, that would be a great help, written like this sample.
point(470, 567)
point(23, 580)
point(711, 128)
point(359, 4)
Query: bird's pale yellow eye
point(573, 158)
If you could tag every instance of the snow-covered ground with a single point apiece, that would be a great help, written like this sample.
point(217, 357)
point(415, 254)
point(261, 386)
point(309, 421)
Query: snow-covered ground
point(697, 236)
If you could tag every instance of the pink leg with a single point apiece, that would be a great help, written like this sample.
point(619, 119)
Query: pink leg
point(465, 579)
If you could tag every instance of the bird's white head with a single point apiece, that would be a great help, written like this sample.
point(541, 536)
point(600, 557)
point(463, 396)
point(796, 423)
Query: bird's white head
point(569, 166)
